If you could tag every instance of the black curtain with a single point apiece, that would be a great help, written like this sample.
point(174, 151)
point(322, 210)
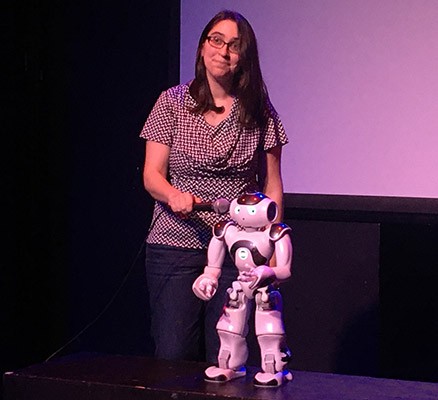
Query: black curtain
point(80, 79)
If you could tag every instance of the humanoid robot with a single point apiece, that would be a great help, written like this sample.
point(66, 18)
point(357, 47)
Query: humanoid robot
point(251, 239)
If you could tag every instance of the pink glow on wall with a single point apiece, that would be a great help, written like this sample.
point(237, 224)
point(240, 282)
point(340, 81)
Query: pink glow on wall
point(356, 85)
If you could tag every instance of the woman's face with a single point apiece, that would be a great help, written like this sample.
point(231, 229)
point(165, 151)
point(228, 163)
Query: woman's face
point(221, 63)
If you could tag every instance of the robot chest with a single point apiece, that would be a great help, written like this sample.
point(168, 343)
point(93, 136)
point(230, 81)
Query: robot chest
point(251, 251)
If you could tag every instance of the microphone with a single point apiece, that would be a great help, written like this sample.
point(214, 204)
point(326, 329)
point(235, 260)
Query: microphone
point(219, 206)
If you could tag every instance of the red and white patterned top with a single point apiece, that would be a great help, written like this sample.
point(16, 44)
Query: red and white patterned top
point(208, 161)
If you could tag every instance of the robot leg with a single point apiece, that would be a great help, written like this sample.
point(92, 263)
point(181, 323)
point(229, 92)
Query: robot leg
point(232, 329)
point(271, 338)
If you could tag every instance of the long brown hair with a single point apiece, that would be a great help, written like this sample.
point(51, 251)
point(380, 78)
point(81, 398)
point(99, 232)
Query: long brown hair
point(248, 84)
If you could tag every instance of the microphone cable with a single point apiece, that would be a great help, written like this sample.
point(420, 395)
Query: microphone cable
point(109, 303)
point(222, 204)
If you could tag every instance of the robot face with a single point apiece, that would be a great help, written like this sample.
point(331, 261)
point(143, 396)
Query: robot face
point(254, 210)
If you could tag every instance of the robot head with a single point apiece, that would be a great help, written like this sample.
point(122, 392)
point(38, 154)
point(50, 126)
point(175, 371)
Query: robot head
point(253, 210)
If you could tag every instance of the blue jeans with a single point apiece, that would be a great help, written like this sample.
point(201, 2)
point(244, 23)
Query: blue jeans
point(183, 327)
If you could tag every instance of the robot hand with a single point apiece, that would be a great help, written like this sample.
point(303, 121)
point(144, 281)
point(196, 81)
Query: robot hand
point(259, 277)
point(205, 286)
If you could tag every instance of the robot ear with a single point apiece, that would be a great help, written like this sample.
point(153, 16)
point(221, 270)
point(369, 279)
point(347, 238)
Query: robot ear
point(272, 211)
point(232, 207)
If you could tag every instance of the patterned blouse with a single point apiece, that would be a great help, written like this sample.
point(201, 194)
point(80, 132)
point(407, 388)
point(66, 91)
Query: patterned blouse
point(208, 161)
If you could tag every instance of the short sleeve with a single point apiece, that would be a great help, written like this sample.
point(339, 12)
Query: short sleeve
point(274, 134)
point(160, 123)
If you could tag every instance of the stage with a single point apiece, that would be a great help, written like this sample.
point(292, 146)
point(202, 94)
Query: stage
point(88, 376)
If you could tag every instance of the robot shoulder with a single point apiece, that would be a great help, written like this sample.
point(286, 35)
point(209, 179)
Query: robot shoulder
point(221, 227)
point(277, 231)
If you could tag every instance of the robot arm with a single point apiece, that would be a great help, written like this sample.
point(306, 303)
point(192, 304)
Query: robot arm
point(264, 275)
point(205, 285)
point(284, 252)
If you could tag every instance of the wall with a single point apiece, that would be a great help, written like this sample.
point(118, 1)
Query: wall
point(365, 272)
point(355, 85)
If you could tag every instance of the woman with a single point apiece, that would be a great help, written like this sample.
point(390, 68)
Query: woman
point(217, 136)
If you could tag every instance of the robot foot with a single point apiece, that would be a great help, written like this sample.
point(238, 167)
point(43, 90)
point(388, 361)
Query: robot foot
point(265, 379)
point(218, 375)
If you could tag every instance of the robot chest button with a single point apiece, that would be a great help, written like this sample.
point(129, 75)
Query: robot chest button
point(243, 254)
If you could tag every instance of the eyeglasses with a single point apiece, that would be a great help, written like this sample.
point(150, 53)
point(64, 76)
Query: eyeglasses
point(218, 43)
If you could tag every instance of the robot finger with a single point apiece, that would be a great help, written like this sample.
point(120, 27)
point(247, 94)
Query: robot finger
point(246, 276)
point(255, 282)
point(209, 289)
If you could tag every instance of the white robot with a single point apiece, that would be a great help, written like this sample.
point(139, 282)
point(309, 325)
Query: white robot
point(251, 239)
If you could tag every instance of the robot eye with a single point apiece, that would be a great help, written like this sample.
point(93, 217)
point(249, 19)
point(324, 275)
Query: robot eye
point(251, 210)
point(237, 210)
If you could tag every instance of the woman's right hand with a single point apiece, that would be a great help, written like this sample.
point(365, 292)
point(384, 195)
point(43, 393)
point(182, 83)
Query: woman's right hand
point(182, 203)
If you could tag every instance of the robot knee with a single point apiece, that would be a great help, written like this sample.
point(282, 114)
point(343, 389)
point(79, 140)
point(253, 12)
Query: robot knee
point(269, 299)
point(236, 312)
point(268, 315)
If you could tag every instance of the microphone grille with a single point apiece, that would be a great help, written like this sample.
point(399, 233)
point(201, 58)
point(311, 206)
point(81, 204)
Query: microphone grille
point(221, 206)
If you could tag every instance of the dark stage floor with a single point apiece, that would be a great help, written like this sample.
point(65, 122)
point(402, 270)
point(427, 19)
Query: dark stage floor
point(110, 377)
